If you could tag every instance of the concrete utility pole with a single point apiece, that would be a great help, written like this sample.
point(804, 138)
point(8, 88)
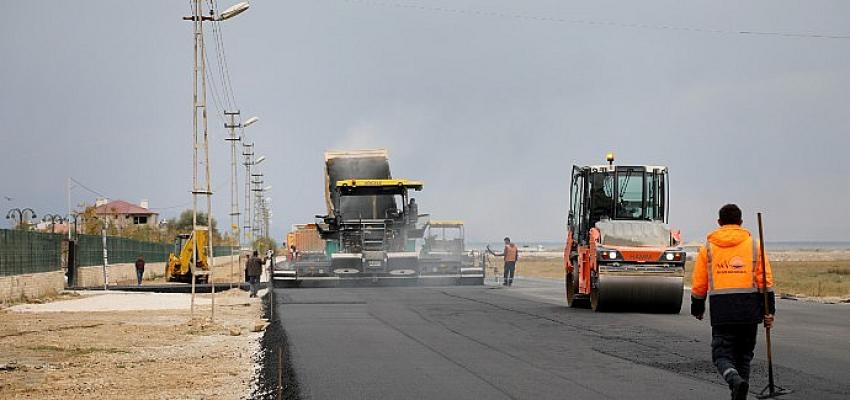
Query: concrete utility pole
point(200, 140)
point(248, 152)
point(250, 204)
point(234, 195)
point(257, 182)
point(234, 187)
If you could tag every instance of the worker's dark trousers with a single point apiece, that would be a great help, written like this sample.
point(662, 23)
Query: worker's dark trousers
point(510, 266)
point(732, 347)
point(254, 284)
point(140, 273)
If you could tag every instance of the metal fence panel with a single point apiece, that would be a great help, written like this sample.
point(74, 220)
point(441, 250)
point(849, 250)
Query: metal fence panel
point(119, 250)
point(26, 252)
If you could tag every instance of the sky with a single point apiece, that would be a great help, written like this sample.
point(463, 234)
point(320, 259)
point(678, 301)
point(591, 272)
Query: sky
point(489, 102)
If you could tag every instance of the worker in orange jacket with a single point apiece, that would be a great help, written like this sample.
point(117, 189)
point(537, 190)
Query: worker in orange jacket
point(728, 270)
point(511, 255)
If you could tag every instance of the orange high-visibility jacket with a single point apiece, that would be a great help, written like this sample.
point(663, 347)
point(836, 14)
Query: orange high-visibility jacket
point(728, 271)
point(511, 252)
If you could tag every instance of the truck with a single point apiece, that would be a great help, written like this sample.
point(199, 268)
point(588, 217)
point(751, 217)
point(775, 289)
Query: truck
point(305, 259)
point(619, 252)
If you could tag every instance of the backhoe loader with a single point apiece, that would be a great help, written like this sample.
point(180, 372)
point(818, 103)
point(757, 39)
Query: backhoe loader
point(180, 269)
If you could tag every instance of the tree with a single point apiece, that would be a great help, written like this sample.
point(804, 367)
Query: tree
point(90, 223)
point(265, 243)
point(183, 224)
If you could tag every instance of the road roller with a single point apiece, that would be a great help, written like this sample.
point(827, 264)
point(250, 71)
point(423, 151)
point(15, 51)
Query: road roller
point(620, 252)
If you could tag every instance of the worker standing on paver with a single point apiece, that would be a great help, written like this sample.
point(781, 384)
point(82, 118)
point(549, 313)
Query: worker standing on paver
point(140, 269)
point(728, 270)
point(511, 255)
point(254, 268)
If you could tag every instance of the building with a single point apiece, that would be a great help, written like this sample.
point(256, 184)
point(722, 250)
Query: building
point(122, 214)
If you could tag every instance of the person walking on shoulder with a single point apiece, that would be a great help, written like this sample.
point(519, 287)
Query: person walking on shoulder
point(254, 268)
point(511, 255)
point(728, 271)
point(140, 269)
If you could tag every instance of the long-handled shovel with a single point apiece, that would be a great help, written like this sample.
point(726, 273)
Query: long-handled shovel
point(771, 390)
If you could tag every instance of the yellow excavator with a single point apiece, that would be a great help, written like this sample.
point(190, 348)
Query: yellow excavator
point(180, 269)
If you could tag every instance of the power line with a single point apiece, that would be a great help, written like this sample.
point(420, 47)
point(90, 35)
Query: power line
point(561, 20)
point(87, 188)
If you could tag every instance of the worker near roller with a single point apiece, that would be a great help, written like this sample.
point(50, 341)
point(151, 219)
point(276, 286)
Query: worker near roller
point(254, 268)
point(728, 270)
point(511, 255)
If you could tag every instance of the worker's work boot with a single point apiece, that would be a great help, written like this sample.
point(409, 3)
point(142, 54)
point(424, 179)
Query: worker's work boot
point(738, 385)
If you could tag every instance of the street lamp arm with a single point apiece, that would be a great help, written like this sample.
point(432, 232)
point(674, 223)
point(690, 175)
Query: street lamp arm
point(250, 121)
point(234, 10)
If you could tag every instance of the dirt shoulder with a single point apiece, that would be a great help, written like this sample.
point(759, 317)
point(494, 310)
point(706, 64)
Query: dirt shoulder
point(48, 351)
point(804, 275)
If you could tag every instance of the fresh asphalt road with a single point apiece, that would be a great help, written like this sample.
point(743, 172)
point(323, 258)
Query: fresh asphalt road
point(524, 343)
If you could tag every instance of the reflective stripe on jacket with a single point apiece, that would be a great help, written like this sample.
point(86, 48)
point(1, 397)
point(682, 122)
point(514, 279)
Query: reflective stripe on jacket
point(728, 271)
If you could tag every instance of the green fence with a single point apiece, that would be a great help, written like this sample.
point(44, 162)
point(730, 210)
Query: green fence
point(123, 250)
point(119, 250)
point(25, 252)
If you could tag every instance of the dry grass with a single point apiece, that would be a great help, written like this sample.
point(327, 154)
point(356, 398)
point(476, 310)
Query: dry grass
point(806, 278)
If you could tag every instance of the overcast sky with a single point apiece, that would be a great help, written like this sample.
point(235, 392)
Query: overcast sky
point(489, 102)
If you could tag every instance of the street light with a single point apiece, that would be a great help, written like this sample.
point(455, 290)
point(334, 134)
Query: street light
point(234, 10)
point(250, 161)
point(229, 13)
point(52, 218)
point(20, 214)
point(249, 122)
point(200, 136)
point(234, 177)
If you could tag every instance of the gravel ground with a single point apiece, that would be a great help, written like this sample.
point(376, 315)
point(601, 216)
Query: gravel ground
point(117, 301)
point(141, 345)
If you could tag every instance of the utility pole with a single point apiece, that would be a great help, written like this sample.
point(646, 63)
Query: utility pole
point(234, 195)
point(248, 153)
point(257, 181)
point(200, 144)
point(200, 141)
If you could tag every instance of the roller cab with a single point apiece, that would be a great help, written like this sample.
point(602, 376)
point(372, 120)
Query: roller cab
point(620, 253)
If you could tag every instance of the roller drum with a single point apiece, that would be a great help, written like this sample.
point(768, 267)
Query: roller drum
point(647, 293)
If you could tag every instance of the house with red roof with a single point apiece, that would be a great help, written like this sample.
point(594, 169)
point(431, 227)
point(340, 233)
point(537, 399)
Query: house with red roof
point(122, 214)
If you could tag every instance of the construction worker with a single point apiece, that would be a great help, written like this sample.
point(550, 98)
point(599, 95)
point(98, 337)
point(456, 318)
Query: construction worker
point(140, 269)
point(511, 255)
point(728, 270)
point(254, 268)
point(413, 211)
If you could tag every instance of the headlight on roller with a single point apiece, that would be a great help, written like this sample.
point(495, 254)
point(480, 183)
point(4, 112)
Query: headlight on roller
point(673, 256)
point(608, 255)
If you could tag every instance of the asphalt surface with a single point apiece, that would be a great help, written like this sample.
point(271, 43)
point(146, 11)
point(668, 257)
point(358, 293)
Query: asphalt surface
point(524, 343)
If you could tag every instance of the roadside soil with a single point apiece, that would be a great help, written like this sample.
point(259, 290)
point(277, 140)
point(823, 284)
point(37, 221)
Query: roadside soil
point(224, 271)
point(818, 276)
point(129, 351)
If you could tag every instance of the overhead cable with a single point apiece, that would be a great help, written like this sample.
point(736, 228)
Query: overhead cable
point(562, 20)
